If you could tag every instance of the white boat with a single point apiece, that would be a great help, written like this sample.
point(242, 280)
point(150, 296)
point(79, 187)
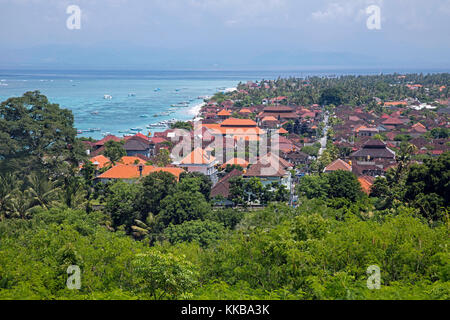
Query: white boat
point(107, 97)
point(132, 94)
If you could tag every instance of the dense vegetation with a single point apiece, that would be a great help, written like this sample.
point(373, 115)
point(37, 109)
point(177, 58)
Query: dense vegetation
point(162, 239)
point(349, 89)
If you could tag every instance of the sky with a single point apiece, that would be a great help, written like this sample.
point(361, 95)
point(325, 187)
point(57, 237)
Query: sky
point(224, 34)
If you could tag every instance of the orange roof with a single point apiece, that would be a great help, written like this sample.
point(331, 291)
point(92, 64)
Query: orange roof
point(224, 112)
point(338, 165)
point(245, 137)
point(236, 161)
point(131, 160)
point(237, 130)
point(395, 103)
point(100, 161)
point(365, 184)
point(198, 156)
point(233, 122)
point(122, 171)
point(282, 131)
point(245, 111)
point(269, 118)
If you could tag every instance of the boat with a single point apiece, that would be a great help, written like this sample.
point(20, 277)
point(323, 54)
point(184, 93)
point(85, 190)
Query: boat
point(107, 97)
point(94, 129)
point(157, 89)
point(94, 112)
point(143, 116)
point(132, 94)
point(181, 105)
point(136, 129)
point(156, 125)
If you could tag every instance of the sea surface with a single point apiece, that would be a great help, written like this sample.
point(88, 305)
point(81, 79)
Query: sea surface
point(138, 98)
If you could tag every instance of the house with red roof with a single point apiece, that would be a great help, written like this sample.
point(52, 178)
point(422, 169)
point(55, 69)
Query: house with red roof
point(136, 145)
point(201, 161)
point(393, 122)
point(224, 114)
point(269, 122)
point(245, 112)
point(130, 173)
point(338, 165)
point(271, 169)
point(417, 130)
point(281, 113)
point(100, 161)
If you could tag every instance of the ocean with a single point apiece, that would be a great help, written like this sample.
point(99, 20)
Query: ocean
point(135, 99)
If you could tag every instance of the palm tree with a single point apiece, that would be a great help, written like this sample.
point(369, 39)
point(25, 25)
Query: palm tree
point(8, 187)
point(42, 191)
point(20, 205)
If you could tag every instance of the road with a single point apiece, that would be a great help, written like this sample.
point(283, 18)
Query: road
point(323, 140)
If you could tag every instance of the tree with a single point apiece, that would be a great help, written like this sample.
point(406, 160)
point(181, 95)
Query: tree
point(331, 96)
point(237, 191)
point(163, 275)
point(114, 150)
point(37, 135)
point(42, 192)
point(205, 232)
point(344, 184)
point(121, 204)
point(202, 182)
point(155, 187)
point(162, 159)
point(313, 186)
point(182, 206)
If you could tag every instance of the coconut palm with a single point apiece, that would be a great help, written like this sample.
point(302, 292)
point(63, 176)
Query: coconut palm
point(41, 190)
point(9, 185)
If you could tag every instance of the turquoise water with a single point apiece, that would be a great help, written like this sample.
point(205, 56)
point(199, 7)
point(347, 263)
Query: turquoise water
point(154, 93)
point(133, 104)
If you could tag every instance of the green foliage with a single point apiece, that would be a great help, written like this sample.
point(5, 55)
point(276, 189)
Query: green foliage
point(182, 125)
point(182, 206)
point(337, 184)
point(121, 203)
point(162, 275)
point(36, 135)
point(205, 232)
point(114, 150)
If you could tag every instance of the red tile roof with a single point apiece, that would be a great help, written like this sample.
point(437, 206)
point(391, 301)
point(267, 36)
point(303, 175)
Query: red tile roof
point(224, 112)
point(393, 121)
point(233, 122)
point(338, 165)
point(106, 139)
point(100, 161)
point(198, 156)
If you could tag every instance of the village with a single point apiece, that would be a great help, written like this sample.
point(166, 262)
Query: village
point(278, 142)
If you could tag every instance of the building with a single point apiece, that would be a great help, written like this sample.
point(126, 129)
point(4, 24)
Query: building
point(338, 165)
point(222, 188)
point(130, 173)
point(137, 145)
point(201, 161)
point(280, 113)
point(270, 169)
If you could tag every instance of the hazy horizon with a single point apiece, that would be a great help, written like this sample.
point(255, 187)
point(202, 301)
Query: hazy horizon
point(225, 35)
